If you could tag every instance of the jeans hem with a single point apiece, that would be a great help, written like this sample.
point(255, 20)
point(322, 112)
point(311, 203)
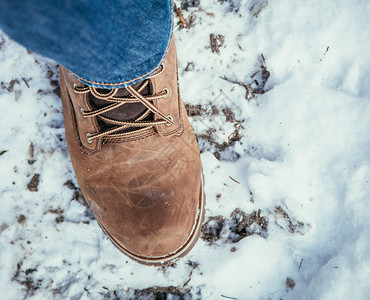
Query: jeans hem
point(108, 85)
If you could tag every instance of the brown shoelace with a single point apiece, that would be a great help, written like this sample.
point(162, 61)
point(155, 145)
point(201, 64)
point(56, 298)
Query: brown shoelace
point(134, 97)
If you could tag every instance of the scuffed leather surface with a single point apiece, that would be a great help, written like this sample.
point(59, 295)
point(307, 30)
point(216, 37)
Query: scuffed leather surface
point(145, 192)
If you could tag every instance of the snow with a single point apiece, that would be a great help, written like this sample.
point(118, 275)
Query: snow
point(295, 154)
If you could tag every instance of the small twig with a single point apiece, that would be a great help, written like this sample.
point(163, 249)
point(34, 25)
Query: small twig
point(327, 49)
point(234, 81)
point(229, 297)
point(191, 273)
point(263, 58)
point(255, 73)
point(25, 82)
point(300, 265)
point(234, 180)
point(182, 20)
point(249, 91)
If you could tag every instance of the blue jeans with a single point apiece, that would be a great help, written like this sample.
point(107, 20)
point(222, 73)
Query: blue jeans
point(105, 44)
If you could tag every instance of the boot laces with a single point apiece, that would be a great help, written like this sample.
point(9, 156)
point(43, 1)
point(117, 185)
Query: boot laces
point(134, 97)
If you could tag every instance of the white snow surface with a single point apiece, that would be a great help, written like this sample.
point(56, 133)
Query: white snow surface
point(301, 161)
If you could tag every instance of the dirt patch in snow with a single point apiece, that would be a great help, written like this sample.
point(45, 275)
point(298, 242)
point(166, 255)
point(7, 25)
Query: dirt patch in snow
point(209, 136)
point(256, 83)
point(21, 219)
point(25, 278)
point(233, 229)
point(216, 42)
point(162, 293)
point(290, 223)
point(290, 283)
point(33, 185)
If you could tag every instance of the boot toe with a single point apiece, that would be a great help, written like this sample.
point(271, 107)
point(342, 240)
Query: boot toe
point(152, 228)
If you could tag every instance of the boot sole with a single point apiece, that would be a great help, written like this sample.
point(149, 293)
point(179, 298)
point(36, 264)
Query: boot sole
point(180, 252)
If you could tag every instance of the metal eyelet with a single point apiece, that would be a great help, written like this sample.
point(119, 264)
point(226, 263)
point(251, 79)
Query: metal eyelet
point(167, 92)
point(82, 110)
point(88, 139)
point(163, 66)
point(171, 118)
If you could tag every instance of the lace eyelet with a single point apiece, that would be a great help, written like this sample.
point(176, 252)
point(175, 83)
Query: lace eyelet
point(163, 67)
point(88, 138)
point(82, 110)
point(171, 118)
point(167, 92)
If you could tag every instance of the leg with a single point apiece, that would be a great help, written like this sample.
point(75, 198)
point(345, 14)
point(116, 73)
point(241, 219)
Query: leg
point(105, 43)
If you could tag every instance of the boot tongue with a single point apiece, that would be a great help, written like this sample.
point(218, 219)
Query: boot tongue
point(126, 112)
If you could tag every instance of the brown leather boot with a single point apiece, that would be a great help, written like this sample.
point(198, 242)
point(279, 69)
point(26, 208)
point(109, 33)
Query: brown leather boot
point(137, 162)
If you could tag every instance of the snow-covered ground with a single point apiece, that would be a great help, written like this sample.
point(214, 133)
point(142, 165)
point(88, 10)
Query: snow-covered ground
point(279, 96)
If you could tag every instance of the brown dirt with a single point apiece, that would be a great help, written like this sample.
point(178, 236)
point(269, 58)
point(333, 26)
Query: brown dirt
point(238, 226)
point(10, 87)
point(243, 225)
point(77, 195)
point(21, 277)
point(211, 229)
point(194, 110)
point(32, 186)
point(216, 42)
point(21, 219)
point(290, 284)
point(157, 292)
point(293, 226)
